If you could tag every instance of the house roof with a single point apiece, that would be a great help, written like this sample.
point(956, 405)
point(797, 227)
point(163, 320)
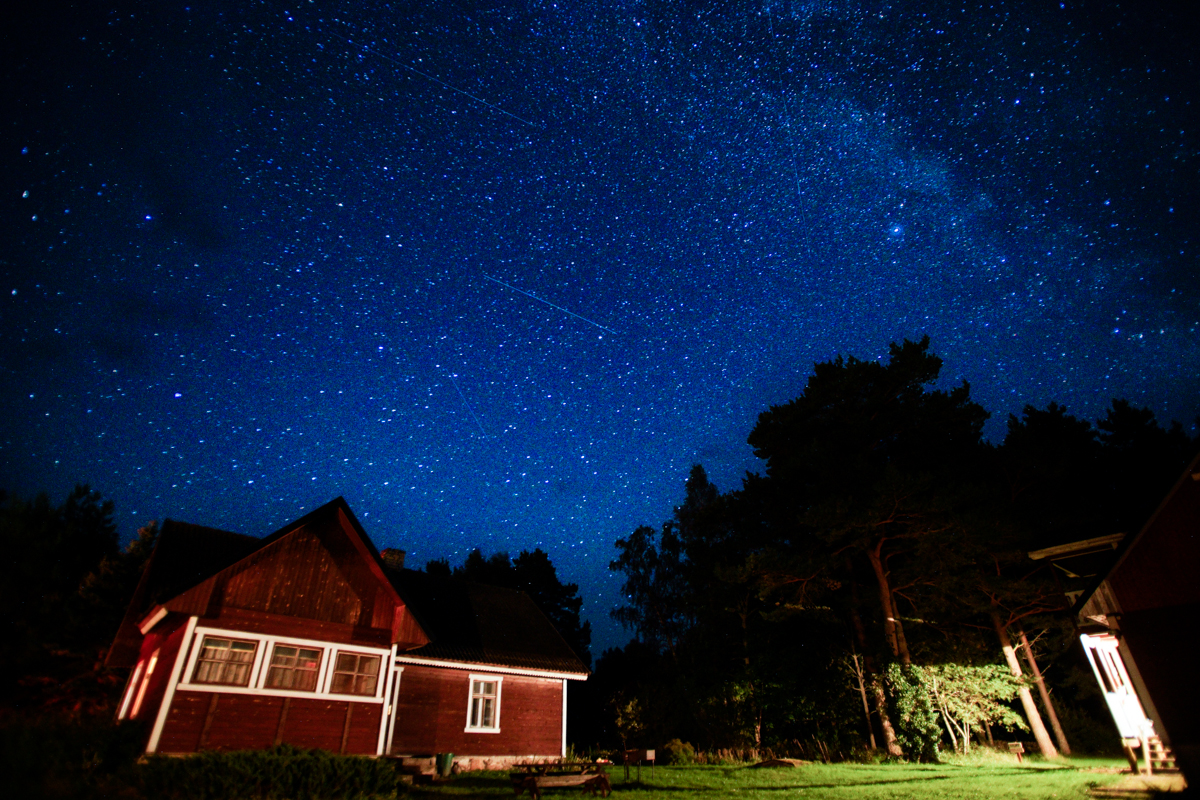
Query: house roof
point(183, 556)
point(465, 622)
point(474, 623)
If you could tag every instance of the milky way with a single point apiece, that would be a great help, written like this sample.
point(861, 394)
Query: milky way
point(500, 273)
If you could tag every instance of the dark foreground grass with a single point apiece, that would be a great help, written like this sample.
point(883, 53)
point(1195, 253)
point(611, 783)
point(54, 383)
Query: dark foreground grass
point(1028, 781)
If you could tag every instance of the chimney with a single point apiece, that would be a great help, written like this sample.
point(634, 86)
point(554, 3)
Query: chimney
point(393, 558)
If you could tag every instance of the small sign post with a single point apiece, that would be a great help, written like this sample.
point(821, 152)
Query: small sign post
point(639, 756)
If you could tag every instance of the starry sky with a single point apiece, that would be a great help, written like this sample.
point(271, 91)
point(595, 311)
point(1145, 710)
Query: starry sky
point(500, 272)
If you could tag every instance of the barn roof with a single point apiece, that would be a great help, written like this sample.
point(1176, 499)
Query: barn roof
point(478, 624)
point(466, 622)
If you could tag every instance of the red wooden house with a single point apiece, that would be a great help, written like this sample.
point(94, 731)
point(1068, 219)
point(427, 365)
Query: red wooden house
point(310, 637)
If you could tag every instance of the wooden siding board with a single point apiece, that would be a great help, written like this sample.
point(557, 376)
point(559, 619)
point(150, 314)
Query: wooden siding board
point(319, 572)
point(316, 724)
point(245, 722)
point(431, 714)
point(300, 575)
point(185, 722)
point(416, 717)
point(1159, 570)
point(364, 729)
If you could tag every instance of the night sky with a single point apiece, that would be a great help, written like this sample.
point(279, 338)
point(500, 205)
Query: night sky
point(500, 273)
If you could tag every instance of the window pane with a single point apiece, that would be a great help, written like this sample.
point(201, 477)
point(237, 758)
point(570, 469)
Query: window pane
point(283, 654)
point(484, 695)
point(225, 661)
point(355, 674)
point(294, 668)
point(489, 713)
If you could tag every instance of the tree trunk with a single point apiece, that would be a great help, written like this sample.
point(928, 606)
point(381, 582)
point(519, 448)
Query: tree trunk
point(901, 641)
point(1031, 713)
point(862, 690)
point(1047, 704)
point(945, 716)
point(950, 729)
point(890, 743)
point(891, 630)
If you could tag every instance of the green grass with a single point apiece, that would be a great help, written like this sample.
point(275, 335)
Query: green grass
point(1030, 781)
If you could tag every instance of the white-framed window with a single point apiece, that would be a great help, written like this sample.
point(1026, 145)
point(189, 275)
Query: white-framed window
point(141, 695)
point(483, 704)
point(355, 673)
point(294, 667)
point(135, 681)
point(225, 661)
point(240, 662)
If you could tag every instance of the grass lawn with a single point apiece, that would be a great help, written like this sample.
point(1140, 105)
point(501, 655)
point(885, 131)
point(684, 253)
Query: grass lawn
point(1029, 781)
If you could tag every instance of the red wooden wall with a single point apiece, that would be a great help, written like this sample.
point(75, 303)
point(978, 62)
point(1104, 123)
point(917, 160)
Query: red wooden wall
point(222, 721)
point(431, 714)
point(318, 573)
point(166, 638)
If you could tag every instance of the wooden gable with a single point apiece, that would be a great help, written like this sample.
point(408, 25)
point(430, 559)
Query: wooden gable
point(320, 569)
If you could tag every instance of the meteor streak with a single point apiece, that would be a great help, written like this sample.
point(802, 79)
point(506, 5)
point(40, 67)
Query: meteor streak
point(426, 75)
point(468, 405)
point(547, 302)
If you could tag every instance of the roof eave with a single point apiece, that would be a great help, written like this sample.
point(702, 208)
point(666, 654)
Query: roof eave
point(484, 666)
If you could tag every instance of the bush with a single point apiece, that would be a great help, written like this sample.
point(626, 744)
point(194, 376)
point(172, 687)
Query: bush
point(913, 715)
point(677, 752)
point(281, 773)
point(57, 757)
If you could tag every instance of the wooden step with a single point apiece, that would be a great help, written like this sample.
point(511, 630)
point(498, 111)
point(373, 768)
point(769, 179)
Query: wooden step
point(1160, 756)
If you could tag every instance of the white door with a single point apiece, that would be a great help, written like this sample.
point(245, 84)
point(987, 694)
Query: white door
point(1114, 681)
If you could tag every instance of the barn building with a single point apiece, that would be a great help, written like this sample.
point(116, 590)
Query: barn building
point(310, 637)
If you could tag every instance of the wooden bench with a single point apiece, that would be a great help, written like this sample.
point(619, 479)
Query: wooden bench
point(587, 776)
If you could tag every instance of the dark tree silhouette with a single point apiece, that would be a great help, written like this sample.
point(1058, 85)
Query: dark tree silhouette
point(64, 593)
point(535, 574)
point(884, 530)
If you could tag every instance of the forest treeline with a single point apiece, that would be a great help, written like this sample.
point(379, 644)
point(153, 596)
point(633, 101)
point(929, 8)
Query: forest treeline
point(65, 590)
point(872, 588)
